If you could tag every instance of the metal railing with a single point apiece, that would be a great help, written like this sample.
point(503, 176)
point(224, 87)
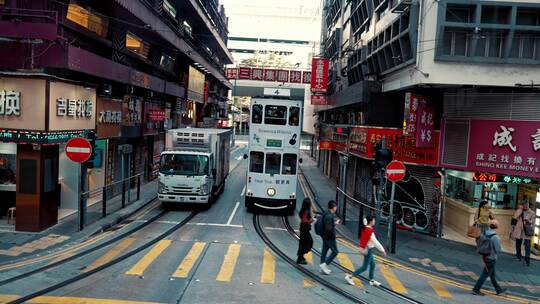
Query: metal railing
point(108, 192)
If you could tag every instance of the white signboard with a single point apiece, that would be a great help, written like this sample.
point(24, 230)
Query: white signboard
point(277, 92)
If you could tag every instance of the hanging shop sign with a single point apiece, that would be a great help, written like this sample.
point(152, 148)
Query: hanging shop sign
point(505, 146)
point(319, 75)
point(410, 113)
point(154, 116)
point(318, 99)
point(501, 178)
point(109, 121)
point(425, 126)
point(273, 75)
point(326, 145)
point(71, 107)
point(363, 139)
point(132, 116)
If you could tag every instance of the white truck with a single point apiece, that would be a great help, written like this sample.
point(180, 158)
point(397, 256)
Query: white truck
point(194, 165)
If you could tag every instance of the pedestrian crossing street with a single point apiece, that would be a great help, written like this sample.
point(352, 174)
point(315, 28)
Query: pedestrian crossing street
point(265, 270)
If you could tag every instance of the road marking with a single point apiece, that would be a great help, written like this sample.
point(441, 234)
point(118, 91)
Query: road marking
point(216, 224)
point(70, 300)
point(229, 263)
point(392, 279)
point(189, 261)
point(268, 274)
point(233, 213)
point(111, 254)
point(143, 263)
point(307, 281)
point(440, 290)
point(243, 191)
point(346, 262)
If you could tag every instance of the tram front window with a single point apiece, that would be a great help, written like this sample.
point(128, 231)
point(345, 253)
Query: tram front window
point(256, 162)
point(256, 114)
point(289, 164)
point(294, 116)
point(275, 115)
point(183, 164)
point(273, 163)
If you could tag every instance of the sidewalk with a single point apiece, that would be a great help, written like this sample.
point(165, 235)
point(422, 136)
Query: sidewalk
point(446, 258)
point(15, 245)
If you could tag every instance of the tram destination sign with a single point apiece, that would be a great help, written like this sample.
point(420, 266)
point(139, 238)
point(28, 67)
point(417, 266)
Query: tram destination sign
point(32, 137)
point(274, 143)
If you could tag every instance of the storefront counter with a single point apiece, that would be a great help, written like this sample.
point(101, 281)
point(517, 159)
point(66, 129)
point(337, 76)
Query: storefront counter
point(460, 216)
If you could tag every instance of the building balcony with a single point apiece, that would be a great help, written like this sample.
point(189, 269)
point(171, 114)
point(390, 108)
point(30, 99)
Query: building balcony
point(19, 23)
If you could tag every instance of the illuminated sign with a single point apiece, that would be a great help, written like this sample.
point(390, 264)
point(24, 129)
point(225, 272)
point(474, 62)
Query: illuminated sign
point(39, 137)
point(274, 143)
point(484, 177)
point(498, 178)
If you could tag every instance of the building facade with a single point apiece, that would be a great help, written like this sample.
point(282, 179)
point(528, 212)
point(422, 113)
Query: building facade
point(125, 70)
point(447, 69)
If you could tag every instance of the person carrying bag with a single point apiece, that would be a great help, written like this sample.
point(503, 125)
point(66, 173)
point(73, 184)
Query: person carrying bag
point(522, 231)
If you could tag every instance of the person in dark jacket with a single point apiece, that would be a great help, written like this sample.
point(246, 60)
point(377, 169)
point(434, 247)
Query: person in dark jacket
point(306, 241)
point(329, 237)
point(489, 261)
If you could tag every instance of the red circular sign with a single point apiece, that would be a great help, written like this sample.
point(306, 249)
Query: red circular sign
point(78, 149)
point(395, 171)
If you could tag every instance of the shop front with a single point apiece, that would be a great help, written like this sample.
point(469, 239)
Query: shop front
point(154, 125)
point(37, 117)
point(497, 161)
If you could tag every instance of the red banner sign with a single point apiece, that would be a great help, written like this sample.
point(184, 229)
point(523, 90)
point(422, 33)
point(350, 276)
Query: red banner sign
point(156, 115)
point(295, 77)
point(326, 145)
point(232, 73)
point(244, 73)
point(319, 75)
point(318, 100)
point(306, 77)
point(363, 139)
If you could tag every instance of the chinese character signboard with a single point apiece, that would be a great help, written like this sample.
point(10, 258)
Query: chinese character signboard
point(425, 126)
point(10, 103)
point(132, 111)
point(319, 75)
point(109, 118)
point(244, 73)
point(260, 74)
point(232, 73)
point(504, 146)
point(363, 140)
point(71, 107)
point(154, 116)
point(410, 113)
point(295, 77)
point(270, 75)
point(283, 76)
point(500, 178)
point(257, 74)
point(306, 77)
point(318, 99)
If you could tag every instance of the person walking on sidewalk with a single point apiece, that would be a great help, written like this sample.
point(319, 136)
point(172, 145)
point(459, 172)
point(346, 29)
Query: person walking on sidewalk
point(306, 241)
point(329, 221)
point(489, 246)
point(368, 241)
point(523, 230)
point(483, 216)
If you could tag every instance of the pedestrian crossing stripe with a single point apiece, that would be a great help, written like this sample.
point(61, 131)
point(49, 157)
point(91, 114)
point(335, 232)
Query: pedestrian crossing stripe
point(111, 254)
point(346, 262)
point(189, 261)
point(229, 263)
point(440, 289)
point(268, 272)
point(392, 279)
point(141, 266)
point(307, 281)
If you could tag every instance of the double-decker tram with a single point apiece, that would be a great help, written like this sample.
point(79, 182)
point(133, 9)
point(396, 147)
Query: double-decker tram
point(274, 146)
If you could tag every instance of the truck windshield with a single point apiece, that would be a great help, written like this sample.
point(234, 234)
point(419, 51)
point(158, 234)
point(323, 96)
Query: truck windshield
point(184, 164)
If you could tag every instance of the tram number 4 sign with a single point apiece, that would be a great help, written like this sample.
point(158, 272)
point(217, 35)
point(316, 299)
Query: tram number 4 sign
point(78, 149)
point(395, 171)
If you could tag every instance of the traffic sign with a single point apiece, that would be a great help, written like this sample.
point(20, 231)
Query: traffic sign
point(395, 171)
point(78, 149)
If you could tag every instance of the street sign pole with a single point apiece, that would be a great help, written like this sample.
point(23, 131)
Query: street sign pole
point(82, 198)
point(390, 242)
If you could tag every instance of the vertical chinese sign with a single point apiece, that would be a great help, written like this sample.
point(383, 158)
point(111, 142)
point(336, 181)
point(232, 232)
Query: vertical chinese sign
point(319, 75)
point(425, 126)
point(410, 113)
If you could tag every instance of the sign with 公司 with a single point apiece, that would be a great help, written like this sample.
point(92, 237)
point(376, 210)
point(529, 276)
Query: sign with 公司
point(363, 139)
point(319, 75)
point(425, 126)
point(410, 113)
point(505, 146)
point(318, 99)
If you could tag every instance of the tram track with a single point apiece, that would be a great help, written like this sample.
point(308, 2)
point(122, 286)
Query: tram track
point(342, 292)
point(100, 268)
point(295, 235)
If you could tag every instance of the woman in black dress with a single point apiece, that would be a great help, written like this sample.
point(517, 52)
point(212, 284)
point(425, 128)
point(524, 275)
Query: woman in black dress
point(306, 241)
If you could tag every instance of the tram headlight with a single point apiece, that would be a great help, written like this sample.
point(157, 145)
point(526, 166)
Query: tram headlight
point(271, 191)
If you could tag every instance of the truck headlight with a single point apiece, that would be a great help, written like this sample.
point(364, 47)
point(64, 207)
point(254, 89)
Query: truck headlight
point(161, 187)
point(203, 189)
point(271, 191)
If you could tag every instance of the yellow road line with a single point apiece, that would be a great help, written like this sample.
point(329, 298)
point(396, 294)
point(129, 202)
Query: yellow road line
point(229, 263)
point(440, 289)
point(111, 254)
point(70, 300)
point(307, 281)
point(143, 263)
point(392, 279)
point(268, 273)
point(346, 262)
point(189, 261)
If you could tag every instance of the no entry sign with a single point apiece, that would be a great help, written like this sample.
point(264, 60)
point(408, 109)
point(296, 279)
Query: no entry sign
point(395, 171)
point(78, 149)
